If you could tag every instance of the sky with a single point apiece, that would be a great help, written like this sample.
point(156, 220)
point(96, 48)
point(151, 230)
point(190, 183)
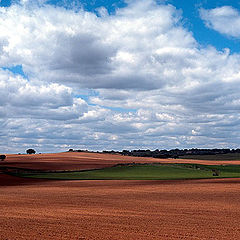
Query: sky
point(113, 75)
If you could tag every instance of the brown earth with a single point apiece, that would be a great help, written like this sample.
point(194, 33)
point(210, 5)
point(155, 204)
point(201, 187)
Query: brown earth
point(119, 210)
point(86, 160)
point(114, 210)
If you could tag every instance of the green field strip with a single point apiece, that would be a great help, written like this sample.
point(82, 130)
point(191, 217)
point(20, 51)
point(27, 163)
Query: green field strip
point(143, 172)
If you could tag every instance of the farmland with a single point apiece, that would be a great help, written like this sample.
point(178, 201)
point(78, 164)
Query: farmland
point(143, 172)
point(86, 161)
point(116, 209)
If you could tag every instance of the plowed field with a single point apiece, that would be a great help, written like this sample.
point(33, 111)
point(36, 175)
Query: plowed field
point(119, 210)
point(84, 160)
point(114, 210)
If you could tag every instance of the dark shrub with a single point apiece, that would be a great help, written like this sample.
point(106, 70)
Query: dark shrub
point(30, 151)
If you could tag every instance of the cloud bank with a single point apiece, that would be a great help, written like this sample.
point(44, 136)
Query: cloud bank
point(135, 79)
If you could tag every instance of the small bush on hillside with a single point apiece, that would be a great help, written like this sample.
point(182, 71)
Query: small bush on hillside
point(30, 151)
point(2, 157)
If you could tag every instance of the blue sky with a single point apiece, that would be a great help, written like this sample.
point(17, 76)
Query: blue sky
point(205, 36)
point(153, 74)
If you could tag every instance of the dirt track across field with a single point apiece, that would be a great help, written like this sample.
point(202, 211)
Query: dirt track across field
point(119, 210)
point(85, 160)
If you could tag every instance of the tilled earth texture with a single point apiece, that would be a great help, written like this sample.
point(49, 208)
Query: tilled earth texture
point(119, 210)
point(114, 210)
point(85, 160)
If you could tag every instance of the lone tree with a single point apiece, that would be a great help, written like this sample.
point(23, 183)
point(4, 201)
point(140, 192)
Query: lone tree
point(30, 151)
point(2, 157)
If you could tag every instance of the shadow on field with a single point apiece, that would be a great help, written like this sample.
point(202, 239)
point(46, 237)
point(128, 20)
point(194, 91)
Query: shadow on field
point(8, 180)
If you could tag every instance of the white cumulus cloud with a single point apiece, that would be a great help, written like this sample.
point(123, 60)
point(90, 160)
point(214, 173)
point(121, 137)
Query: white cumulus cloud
point(225, 20)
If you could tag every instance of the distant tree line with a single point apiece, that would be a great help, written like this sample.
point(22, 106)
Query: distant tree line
point(72, 150)
point(173, 153)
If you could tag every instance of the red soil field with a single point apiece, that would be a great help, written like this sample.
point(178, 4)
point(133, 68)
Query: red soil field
point(114, 210)
point(86, 160)
point(119, 210)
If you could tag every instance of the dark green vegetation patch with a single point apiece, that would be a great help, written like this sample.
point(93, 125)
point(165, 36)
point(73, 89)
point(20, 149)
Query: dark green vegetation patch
point(144, 172)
